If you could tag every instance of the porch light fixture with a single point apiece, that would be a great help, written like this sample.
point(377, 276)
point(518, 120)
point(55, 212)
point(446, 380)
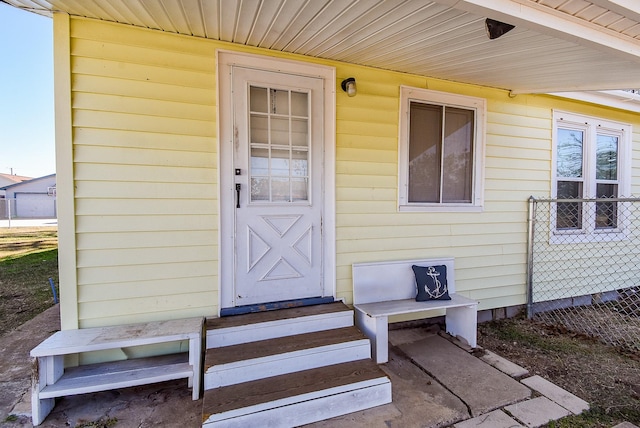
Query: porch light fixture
point(349, 86)
point(496, 29)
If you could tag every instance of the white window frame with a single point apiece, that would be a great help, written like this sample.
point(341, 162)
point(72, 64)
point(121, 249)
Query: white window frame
point(591, 126)
point(479, 106)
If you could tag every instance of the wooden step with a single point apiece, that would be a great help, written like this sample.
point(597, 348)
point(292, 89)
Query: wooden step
point(252, 327)
point(266, 358)
point(298, 398)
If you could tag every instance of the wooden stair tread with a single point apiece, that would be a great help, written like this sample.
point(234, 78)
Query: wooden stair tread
point(259, 317)
point(281, 345)
point(224, 399)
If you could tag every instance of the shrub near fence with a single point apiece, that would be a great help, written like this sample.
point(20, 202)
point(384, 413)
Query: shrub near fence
point(584, 267)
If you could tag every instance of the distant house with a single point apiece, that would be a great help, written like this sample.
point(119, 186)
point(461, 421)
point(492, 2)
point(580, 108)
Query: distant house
point(9, 179)
point(33, 198)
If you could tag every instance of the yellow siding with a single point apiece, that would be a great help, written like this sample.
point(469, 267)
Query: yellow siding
point(490, 247)
point(145, 174)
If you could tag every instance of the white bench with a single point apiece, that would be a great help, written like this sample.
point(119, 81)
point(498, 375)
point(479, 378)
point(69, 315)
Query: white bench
point(51, 380)
point(383, 289)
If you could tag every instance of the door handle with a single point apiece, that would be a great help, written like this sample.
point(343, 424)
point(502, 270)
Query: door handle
point(238, 187)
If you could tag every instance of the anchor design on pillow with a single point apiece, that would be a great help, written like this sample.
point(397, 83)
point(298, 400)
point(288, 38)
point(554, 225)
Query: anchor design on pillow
point(439, 290)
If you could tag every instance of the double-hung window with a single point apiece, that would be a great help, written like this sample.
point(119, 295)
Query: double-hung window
point(591, 161)
point(441, 149)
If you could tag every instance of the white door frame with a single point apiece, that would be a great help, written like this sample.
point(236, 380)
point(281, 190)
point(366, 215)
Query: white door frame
point(226, 183)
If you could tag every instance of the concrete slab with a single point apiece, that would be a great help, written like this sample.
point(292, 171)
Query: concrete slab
point(15, 364)
point(553, 392)
point(166, 404)
point(459, 341)
point(480, 386)
point(625, 425)
point(410, 335)
point(537, 412)
point(504, 365)
point(495, 419)
point(11, 392)
point(418, 401)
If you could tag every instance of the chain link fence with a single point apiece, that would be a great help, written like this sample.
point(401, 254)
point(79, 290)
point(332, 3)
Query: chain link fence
point(27, 206)
point(584, 267)
point(30, 210)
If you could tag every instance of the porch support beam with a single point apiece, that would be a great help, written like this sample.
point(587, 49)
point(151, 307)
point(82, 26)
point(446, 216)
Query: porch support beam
point(628, 8)
point(546, 20)
point(630, 84)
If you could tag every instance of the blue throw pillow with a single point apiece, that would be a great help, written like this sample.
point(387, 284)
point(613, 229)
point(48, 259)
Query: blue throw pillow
point(431, 282)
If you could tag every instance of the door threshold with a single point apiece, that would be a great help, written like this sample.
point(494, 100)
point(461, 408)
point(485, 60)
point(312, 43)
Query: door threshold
point(272, 306)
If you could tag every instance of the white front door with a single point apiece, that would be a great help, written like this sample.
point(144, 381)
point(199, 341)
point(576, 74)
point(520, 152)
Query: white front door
point(277, 169)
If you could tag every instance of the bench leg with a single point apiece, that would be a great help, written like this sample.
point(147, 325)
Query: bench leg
point(44, 371)
point(377, 330)
point(463, 322)
point(195, 360)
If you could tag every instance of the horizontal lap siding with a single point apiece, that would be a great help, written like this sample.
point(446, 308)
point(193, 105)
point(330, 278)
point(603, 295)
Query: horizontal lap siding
point(146, 177)
point(490, 246)
point(145, 170)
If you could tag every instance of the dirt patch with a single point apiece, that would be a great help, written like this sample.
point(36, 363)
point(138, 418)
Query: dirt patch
point(607, 377)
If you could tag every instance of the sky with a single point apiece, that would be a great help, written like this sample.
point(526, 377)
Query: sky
point(27, 140)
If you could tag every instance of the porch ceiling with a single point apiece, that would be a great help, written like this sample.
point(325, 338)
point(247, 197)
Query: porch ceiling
point(557, 45)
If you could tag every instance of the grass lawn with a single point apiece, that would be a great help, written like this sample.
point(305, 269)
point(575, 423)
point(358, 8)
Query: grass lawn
point(28, 258)
point(606, 377)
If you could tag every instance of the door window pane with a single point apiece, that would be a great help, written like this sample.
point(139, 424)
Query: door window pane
point(570, 153)
point(280, 189)
point(259, 129)
point(280, 163)
point(300, 132)
point(259, 161)
point(259, 171)
point(299, 163)
point(299, 104)
point(279, 101)
point(299, 189)
point(279, 145)
point(259, 99)
point(280, 131)
point(259, 188)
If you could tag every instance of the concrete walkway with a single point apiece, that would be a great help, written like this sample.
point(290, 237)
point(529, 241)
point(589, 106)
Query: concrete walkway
point(28, 222)
point(438, 383)
point(435, 382)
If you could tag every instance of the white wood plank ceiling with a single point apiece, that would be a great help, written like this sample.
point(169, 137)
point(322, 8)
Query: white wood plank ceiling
point(557, 45)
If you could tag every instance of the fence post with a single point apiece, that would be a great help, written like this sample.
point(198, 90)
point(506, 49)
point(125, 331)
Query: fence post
point(9, 211)
point(531, 227)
